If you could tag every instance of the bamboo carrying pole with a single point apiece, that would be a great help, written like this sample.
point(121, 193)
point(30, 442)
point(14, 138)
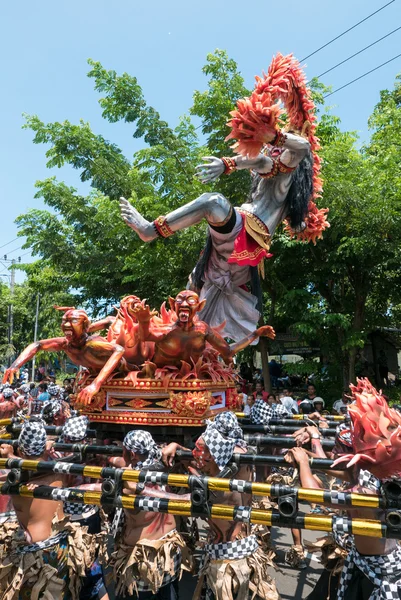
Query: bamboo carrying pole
point(289, 419)
point(366, 527)
point(317, 464)
point(213, 484)
point(260, 427)
point(50, 430)
point(275, 442)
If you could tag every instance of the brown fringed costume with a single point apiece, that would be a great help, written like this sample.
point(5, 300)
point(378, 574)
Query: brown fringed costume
point(150, 564)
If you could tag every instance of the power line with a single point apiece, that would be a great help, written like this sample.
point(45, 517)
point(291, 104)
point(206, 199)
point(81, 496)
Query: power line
point(350, 29)
point(361, 76)
point(360, 51)
point(11, 251)
point(9, 242)
point(26, 254)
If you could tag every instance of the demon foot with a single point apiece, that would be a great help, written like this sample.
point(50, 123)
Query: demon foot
point(135, 220)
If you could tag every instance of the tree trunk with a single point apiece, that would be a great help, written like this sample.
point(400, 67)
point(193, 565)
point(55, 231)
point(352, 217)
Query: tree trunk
point(264, 351)
point(351, 366)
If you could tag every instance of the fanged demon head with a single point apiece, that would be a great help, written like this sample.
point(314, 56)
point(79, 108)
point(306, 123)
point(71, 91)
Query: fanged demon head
point(376, 435)
point(186, 305)
point(127, 306)
point(75, 322)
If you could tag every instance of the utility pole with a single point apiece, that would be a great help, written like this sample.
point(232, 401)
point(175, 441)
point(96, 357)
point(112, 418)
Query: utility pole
point(11, 310)
point(5, 261)
point(35, 334)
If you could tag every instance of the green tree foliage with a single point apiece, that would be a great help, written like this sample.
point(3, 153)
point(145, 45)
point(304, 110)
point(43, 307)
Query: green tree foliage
point(24, 310)
point(333, 294)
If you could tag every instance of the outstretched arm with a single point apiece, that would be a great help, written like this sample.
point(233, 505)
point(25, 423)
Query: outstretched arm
point(55, 344)
point(227, 351)
point(295, 149)
point(86, 395)
point(101, 324)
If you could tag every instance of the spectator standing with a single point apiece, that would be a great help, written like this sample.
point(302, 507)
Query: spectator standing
point(338, 406)
point(259, 390)
point(250, 401)
point(275, 372)
point(241, 395)
point(43, 395)
point(311, 393)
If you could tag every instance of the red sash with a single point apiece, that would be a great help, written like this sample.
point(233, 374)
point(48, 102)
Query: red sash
point(247, 251)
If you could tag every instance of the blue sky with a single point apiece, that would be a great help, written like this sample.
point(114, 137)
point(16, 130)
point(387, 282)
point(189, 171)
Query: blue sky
point(45, 45)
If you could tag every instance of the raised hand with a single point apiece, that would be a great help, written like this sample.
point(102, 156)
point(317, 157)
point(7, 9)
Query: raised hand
point(142, 312)
point(9, 375)
point(266, 331)
point(135, 220)
point(211, 170)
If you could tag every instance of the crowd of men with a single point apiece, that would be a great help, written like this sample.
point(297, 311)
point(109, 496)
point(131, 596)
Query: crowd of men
point(306, 404)
point(54, 548)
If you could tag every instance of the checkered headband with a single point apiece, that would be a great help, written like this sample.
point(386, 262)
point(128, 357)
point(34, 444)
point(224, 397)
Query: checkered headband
point(142, 442)
point(75, 429)
point(8, 392)
point(368, 480)
point(32, 439)
point(51, 408)
point(227, 424)
point(25, 388)
point(344, 434)
point(53, 389)
point(220, 447)
point(221, 437)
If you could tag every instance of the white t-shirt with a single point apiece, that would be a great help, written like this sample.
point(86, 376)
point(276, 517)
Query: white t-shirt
point(337, 405)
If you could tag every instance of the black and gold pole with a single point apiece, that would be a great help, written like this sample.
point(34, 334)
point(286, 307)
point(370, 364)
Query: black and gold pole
point(293, 419)
point(288, 429)
point(271, 518)
point(50, 430)
point(213, 484)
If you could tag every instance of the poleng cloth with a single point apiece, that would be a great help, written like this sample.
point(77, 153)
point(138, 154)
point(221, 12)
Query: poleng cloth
point(383, 571)
point(236, 570)
point(252, 244)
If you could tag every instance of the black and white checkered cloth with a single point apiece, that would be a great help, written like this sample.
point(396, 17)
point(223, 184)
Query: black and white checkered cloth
point(368, 480)
point(32, 439)
point(227, 424)
point(79, 511)
point(53, 390)
point(25, 388)
point(221, 437)
point(75, 429)
point(51, 408)
point(384, 571)
point(344, 434)
point(261, 412)
point(44, 545)
point(8, 393)
point(142, 442)
point(220, 447)
point(232, 550)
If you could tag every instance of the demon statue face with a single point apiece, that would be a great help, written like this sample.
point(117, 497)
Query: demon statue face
point(75, 323)
point(186, 305)
point(128, 304)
